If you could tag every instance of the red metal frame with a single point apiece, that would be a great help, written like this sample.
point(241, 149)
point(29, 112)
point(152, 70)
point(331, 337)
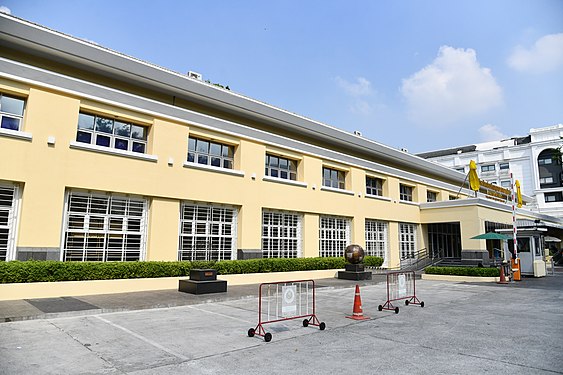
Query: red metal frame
point(313, 320)
point(412, 299)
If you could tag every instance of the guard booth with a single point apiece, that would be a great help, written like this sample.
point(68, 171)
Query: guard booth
point(530, 247)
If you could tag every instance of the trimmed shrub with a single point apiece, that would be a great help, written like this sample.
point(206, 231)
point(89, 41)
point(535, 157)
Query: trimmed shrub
point(463, 271)
point(40, 271)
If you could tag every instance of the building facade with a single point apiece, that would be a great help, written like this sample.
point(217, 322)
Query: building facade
point(108, 158)
point(534, 160)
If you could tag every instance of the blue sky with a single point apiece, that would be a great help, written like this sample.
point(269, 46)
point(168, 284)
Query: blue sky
point(420, 75)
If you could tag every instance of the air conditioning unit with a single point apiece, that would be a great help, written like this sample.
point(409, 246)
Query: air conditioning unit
point(195, 75)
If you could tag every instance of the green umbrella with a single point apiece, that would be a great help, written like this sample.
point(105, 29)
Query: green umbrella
point(491, 236)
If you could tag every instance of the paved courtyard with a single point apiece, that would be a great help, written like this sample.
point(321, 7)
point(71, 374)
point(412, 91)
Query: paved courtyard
point(463, 329)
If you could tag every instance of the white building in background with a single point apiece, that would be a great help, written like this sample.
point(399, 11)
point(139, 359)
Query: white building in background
point(532, 159)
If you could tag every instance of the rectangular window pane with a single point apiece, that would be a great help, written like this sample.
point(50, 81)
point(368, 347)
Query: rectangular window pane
point(102, 140)
point(10, 123)
point(104, 125)
point(138, 132)
point(11, 105)
point(122, 129)
point(85, 121)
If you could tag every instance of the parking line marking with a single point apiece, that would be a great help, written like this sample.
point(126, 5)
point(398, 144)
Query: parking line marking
point(142, 338)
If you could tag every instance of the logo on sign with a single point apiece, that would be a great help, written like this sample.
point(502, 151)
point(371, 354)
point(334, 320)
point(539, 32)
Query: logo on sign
point(402, 286)
point(289, 302)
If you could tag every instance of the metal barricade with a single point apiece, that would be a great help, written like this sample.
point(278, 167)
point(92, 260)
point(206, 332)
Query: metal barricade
point(286, 300)
point(401, 286)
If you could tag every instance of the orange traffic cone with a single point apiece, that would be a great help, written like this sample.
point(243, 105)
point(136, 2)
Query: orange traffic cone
point(502, 279)
point(357, 313)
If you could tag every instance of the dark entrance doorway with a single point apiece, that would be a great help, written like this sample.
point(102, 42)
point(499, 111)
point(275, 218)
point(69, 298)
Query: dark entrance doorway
point(444, 240)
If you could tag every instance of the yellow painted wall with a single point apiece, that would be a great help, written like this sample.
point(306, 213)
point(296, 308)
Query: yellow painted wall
point(47, 171)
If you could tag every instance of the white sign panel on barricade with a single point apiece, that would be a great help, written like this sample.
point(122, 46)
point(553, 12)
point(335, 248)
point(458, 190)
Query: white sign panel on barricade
point(289, 301)
point(402, 286)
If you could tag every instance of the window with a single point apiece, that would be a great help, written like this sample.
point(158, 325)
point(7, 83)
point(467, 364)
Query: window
point(207, 232)
point(334, 236)
point(488, 168)
point(462, 169)
point(407, 240)
point(431, 196)
point(281, 235)
point(11, 112)
point(376, 238)
point(453, 198)
point(506, 184)
point(211, 153)
point(374, 186)
point(550, 169)
point(7, 221)
point(504, 166)
point(104, 227)
point(405, 192)
point(281, 167)
point(106, 132)
point(333, 178)
point(553, 197)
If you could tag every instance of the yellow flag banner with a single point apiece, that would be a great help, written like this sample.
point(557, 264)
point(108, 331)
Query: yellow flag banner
point(518, 194)
point(474, 183)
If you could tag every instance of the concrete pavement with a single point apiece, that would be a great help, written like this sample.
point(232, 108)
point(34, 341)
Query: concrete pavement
point(463, 329)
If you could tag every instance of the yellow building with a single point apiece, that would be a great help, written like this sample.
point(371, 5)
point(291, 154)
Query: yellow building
point(105, 157)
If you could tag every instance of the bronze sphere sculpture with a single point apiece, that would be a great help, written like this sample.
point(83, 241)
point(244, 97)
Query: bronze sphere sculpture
point(354, 254)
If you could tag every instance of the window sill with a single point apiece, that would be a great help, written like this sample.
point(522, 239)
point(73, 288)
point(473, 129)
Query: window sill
point(284, 181)
point(335, 190)
point(16, 134)
point(205, 167)
point(113, 151)
point(409, 203)
point(379, 197)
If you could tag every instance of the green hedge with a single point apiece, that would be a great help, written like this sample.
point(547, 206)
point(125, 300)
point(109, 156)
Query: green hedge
point(463, 271)
point(38, 271)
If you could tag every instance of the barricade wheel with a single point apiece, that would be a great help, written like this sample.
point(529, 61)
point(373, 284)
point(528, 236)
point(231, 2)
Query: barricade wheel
point(251, 332)
point(397, 310)
point(305, 322)
point(268, 337)
point(406, 302)
point(380, 308)
point(322, 326)
point(422, 304)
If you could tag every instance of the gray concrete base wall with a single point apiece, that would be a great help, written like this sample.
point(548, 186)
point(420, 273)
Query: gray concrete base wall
point(475, 257)
point(38, 253)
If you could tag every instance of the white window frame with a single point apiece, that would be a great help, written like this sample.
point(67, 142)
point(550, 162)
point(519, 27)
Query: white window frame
point(334, 235)
point(107, 226)
point(488, 168)
point(435, 196)
point(407, 240)
point(377, 233)
point(290, 173)
point(18, 117)
point(206, 232)
point(378, 190)
point(11, 215)
point(225, 161)
point(330, 182)
point(281, 234)
point(113, 137)
point(406, 193)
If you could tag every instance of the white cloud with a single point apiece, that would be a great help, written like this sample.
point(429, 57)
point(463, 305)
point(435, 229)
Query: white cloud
point(453, 87)
point(4, 9)
point(489, 132)
point(362, 87)
point(545, 55)
point(358, 91)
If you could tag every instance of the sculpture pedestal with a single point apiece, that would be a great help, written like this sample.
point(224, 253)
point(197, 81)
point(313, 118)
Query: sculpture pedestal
point(202, 281)
point(354, 272)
